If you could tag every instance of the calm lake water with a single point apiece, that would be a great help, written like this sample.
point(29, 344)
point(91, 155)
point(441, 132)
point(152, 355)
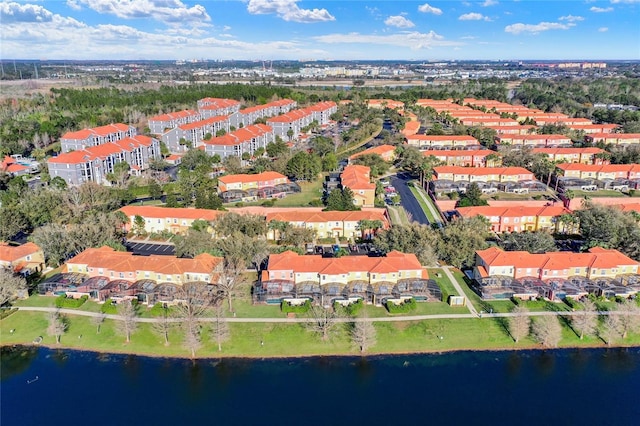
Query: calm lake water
point(564, 387)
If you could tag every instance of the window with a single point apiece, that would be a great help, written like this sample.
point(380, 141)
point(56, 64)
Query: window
point(121, 274)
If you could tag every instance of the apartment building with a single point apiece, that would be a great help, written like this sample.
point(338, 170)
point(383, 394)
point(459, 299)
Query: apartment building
point(160, 124)
point(247, 139)
point(572, 155)
point(594, 128)
point(386, 152)
point(599, 171)
point(443, 142)
point(518, 218)
point(11, 167)
point(330, 224)
point(385, 103)
point(81, 139)
point(618, 139)
point(514, 130)
point(24, 259)
point(358, 179)
point(482, 174)
point(466, 157)
point(215, 107)
point(244, 182)
point(532, 141)
point(94, 163)
point(289, 125)
point(489, 121)
point(248, 116)
point(194, 133)
point(161, 219)
point(562, 120)
point(122, 265)
point(597, 263)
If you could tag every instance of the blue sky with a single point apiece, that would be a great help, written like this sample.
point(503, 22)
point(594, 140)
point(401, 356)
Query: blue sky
point(297, 29)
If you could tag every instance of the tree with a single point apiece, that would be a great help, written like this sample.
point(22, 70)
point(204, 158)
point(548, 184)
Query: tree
point(230, 278)
point(304, 166)
point(520, 323)
point(155, 190)
point(323, 321)
point(139, 225)
point(628, 316)
point(472, 197)
point(163, 326)
point(369, 228)
point(329, 162)
point(220, 328)
point(10, 285)
point(251, 225)
point(375, 162)
point(460, 240)
point(120, 173)
point(533, 242)
point(585, 321)
point(363, 334)
point(297, 236)
point(128, 324)
point(57, 326)
point(610, 329)
point(232, 164)
point(322, 145)
point(277, 148)
point(341, 200)
point(414, 238)
point(54, 242)
point(12, 221)
point(547, 331)
point(98, 320)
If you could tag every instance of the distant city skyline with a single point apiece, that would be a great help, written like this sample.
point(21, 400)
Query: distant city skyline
point(320, 30)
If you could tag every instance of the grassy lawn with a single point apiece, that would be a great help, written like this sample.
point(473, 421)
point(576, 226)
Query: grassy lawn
point(416, 193)
point(508, 196)
point(442, 281)
point(398, 215)
point(309, 191)
point(601, 193)
point(284, 339)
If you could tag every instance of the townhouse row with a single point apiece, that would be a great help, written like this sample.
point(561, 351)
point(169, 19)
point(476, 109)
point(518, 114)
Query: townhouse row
point(520, 218)
point(358, 179)
point(618, 139)
point(327, 224)
point(94, 163)
point(24, 259)
point(599, 171)
point(532, 141)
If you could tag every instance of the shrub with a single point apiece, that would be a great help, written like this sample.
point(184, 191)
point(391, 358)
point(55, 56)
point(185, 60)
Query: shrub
point(158, 310)
point(571, 303)
point(538, 303)
point(109, 307)
point(63, 301)
point(352, 309)
point(239, 204)
point(286, 307)
point(407, 306)
point(268, 203)
point(6, 312)
point(316, 202)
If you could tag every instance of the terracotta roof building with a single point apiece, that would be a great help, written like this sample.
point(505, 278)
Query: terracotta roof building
point(247, 139)
point(443, 141)
point(244, 182)
point(465, 157)
point(73, 141)
point(358, 179)
point(174, 220)
point(159, 124)
point(386, 152)
point(518, 218)
point(622, 139)
point(24, 259)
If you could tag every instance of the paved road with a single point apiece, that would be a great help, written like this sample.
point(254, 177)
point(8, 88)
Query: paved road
point(144, 248)
point(407, 199)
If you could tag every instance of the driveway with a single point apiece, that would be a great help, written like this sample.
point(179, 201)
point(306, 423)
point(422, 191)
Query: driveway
point(407, 199)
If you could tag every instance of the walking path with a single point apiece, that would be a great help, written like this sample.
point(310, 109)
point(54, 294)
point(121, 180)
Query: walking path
point(458, 288)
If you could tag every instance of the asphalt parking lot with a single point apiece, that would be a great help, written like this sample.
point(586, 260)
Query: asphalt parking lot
point(146, 249)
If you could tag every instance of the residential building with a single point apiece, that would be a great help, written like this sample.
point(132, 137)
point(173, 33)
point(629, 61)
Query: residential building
point(74, 141)
point(385, 103)
point(466, 157)
point(532, 141)
point(513, 130)
point(358, 179)
point(386, 152)
point(330, 224)
point(215, 107)
point(443, 142)
point(167, 219)
point(565, 121)
point(194, 133)
point(248, 116)
point(599, 171)
point(122, 265)
point(244, 182)
point(488, 121)
point(160, 124)
point(289, 125)
point(410, 128)
point(573, 155)
point(482, 174)
point(94, 163)
point(597, 263)
point(618, 139)
point(247, 139)
point(11, 166)
point(24, 259)
point(518, 218)
point(371, 278)
point(594, 128)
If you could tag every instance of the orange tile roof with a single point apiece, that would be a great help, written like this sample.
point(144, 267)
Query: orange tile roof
point(515, 211)
point(393, 262)
point(600, 168)
point(380, 150)
point(96, 131)
point(615, 135)
point(202, 123)
point(108, 259)
point(244, 178)
point(481, 171)
point(174, 115)
point(356, 177)
point(438, 138)
point(561, 151)
point(170, 212)
point(302, 215)
point(460, 153)
point(13, 253)
point(102, 151)
point(239, 136)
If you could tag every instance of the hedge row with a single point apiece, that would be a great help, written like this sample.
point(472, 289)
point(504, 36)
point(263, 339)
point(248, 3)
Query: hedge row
point(286, 307)
point(6, 312)
point(63, 301)
point(352, 309)
point(407, 306)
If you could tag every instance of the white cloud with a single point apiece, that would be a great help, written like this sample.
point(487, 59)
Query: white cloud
point(16, 12)
point(536, 28)
point(473, 17)
point(427, 8)
point(596, 9)
point(603, 29)
point(399, 21)
point(168, 11)
point(488, 3)
point(73, 4)
point(625, 1)
point(413, 40)
point(288, 10)
point(468, 38)
point(571, 18)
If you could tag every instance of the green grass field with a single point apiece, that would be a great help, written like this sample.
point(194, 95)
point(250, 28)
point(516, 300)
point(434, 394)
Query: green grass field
point(430, 217)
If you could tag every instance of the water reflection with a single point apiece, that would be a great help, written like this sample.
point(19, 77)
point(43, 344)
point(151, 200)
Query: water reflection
point(15, 360)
